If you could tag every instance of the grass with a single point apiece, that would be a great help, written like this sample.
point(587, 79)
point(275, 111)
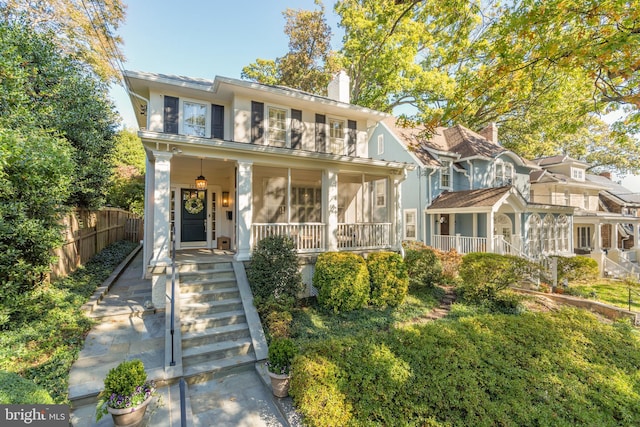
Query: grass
point(614, 292)
point(555, 369)
point(44, 341)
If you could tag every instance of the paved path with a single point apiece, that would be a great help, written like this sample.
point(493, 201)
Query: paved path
point(127, 330)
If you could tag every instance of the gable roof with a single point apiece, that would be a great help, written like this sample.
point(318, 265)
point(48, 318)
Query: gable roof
point(485, 197)
point(410, 137)
point(557, 160)
point(613, 188)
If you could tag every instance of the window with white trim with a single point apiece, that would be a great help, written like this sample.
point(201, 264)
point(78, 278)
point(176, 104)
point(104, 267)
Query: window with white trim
point(503, 173)
point(562, 224)
point(577, 174)
point(380, 144)
point(336, 136)
point(445, 174)
point(381, 193)
point(410, 224)
point(584, 237)
point(277, 127)
point(533, 233)
point(195, 119)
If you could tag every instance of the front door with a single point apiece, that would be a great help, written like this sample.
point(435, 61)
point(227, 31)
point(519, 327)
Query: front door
point(194, 216)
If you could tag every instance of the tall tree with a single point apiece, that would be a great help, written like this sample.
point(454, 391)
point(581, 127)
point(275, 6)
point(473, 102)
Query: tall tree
point(126, 186)
point(85, 29)
point(310, 62)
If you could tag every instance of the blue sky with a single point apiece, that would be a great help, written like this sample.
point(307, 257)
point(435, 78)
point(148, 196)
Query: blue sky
point(205, 38)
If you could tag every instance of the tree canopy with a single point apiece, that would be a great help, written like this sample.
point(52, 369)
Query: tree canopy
point(545, 71)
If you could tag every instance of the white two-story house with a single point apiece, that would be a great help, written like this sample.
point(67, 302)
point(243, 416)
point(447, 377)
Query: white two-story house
point(231, 161)
point(471, 194)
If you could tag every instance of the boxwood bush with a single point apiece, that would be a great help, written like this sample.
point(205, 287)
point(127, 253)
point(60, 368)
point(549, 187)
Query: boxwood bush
point(342, 280)
point(485, 275)
point(389, 279)
point(273, 270)
point(423, 266)
point(577, 268)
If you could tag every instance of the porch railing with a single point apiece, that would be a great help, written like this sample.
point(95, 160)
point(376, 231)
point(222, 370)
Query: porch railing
point(630, 256)
point(308, 237)
point(615, 270)
point(364, 235)
point(462, 244)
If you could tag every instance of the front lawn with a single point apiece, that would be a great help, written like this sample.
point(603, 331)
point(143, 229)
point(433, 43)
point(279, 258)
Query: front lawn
point(38, 349)
point(554, 369)
point(614, 292)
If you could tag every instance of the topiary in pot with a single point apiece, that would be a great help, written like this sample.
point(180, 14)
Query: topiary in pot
point(280, 357)
point(126, 394)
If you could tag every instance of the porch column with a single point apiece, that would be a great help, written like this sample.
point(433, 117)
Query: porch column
point(147, 237)
point(161, 257)
point(330, 205)
point(598, 238)
point(398, 221)
point(245, 210)
point(490, 221)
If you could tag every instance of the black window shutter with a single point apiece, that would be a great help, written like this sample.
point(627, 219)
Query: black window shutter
point(296, 129)
point(321, 133)
point(257, 122)
point(352, 138)
point(217, 121)
point(171, 105)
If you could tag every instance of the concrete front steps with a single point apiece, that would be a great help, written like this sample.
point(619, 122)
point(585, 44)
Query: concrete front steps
point(216, 338)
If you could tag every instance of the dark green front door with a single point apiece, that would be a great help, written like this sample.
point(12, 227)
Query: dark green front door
point(194, 216)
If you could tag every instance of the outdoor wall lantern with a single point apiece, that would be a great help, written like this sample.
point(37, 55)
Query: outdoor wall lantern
point(443, 219)
point(201, 181)
point(225, 199)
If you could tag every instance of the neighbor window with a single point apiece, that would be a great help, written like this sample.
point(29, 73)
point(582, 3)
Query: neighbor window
point(410, 226)
point(380, 144)
point(336, 136)
point(584, 237)
point(277, 133)
point(195, 119)
point(577, 174)
point(445, 174)
point(503, 173)
point(381, 193)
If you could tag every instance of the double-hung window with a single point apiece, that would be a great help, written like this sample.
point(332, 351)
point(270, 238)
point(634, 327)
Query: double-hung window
point(381, 193)
point(410, 226)
point(445, 174)
point(277, 131)
point(336, 136)
point(195, 119)
point(584, 237)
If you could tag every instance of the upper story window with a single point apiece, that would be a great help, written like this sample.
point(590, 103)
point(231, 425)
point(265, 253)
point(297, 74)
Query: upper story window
point(577, 174)
point(195, 119)
point(445, 174)
point(336, 136)
point(503, 173)
point(380, 144)
point(277, 133)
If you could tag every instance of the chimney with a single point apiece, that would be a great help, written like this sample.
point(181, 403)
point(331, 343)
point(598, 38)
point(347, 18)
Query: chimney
point(606, 175)
point(490, 132)
point(338, 88)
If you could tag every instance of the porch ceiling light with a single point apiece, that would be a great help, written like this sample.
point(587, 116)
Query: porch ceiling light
point(201, 181)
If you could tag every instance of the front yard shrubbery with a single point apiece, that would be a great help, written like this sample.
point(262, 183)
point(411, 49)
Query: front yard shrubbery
point(547, 369)
point(389, 279)
point(577, 268)
point(41, 344)
point(342, 280)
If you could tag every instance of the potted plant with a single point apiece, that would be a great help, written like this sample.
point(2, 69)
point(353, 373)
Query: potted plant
point(280, 355)
point(126, 394)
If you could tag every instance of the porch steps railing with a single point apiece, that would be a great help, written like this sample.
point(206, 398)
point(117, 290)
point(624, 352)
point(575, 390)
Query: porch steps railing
point(615, 270)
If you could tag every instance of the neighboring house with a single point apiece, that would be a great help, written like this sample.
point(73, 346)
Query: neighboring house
point(601, 228)
point(231, 161)
point(469, 193)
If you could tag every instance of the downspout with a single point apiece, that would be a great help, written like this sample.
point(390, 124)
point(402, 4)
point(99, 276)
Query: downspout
point(145, 100)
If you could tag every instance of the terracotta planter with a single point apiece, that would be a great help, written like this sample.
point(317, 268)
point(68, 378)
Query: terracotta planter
point(129, 417)
point(279, 384)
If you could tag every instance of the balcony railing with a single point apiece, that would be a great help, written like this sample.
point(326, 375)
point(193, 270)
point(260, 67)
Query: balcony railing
point(364, 235)
point(308, 237)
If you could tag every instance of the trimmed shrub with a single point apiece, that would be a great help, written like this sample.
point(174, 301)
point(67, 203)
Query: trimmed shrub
point(485, 274)
point(450, 262)
point(273, 270)
point(423, 266)
point(577, 268)
point(124, 378)
point(16, 390)
point(389, 279)
point(342, 280)
point(281, 354)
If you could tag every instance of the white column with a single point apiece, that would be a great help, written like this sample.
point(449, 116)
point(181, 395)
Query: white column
point(330, 206)
point(245, 209)
point(161, 257)
point(598, 238)
point(399, 219)
point(490, 231)
point(147, 238)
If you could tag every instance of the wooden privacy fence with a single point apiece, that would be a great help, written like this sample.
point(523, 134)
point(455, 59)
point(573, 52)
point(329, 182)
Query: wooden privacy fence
point(88, 232)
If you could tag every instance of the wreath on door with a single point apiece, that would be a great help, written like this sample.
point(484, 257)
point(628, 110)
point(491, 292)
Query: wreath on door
point(193, 205)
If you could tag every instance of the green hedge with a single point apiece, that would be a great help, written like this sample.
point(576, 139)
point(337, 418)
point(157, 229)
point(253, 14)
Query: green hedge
point(577, 268)
point(342, 280)
point(273, 271)
point(17, 390)
point(423, 266)
point(389, 279)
